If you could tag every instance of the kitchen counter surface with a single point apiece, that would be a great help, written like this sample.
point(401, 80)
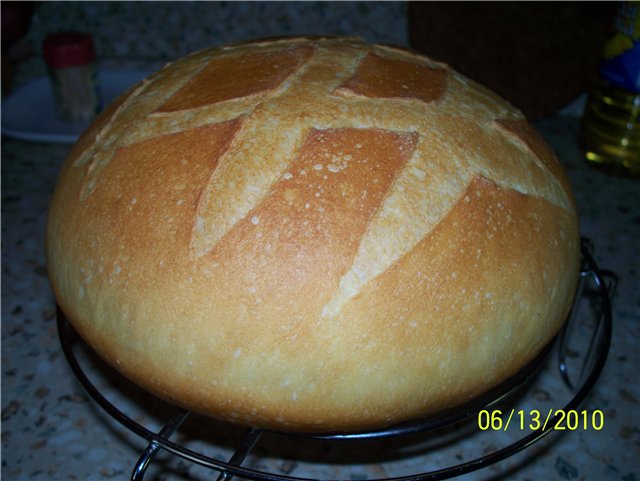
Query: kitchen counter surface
point(52, 430)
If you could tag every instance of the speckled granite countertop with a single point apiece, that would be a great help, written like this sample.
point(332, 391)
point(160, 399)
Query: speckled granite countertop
point(51, 429)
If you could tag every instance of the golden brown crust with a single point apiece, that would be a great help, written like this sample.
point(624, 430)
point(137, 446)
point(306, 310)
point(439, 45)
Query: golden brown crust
point(334, 236)
point(379, 77)
point(226, 78)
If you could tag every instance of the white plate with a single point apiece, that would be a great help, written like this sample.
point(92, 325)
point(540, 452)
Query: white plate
point(29, 113)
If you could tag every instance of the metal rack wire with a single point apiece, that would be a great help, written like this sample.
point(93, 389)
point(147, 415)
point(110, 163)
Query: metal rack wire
point(602, 281)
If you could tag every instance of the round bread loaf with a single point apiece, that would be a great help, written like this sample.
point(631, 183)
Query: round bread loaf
point(313, 234)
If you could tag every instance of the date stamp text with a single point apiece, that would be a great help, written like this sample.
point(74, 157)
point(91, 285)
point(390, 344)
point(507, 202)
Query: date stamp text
point(534, 419)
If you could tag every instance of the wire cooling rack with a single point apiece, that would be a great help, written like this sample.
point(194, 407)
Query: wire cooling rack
point(580, 380)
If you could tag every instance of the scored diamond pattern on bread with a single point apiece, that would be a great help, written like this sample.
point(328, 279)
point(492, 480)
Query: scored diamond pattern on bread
point(350, 225)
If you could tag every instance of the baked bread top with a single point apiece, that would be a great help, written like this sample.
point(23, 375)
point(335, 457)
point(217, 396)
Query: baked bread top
point(313, 234)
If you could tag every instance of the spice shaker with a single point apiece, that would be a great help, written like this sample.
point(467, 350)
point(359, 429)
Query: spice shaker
point(71, 61)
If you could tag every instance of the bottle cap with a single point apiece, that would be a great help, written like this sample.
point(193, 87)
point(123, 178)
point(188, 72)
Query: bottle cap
point(68, 49)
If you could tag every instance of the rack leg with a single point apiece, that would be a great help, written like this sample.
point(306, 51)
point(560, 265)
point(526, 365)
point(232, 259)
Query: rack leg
point(143, 462)
point(248, 442)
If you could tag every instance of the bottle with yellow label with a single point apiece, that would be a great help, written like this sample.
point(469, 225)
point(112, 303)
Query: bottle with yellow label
point(611, 122)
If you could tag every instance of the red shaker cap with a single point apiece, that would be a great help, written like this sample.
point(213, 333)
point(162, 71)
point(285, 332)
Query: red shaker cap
point(68, 49)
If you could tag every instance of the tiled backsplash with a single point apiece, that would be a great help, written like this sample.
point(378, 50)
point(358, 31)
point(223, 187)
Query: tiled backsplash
point(127, 34)
point(169, 30)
